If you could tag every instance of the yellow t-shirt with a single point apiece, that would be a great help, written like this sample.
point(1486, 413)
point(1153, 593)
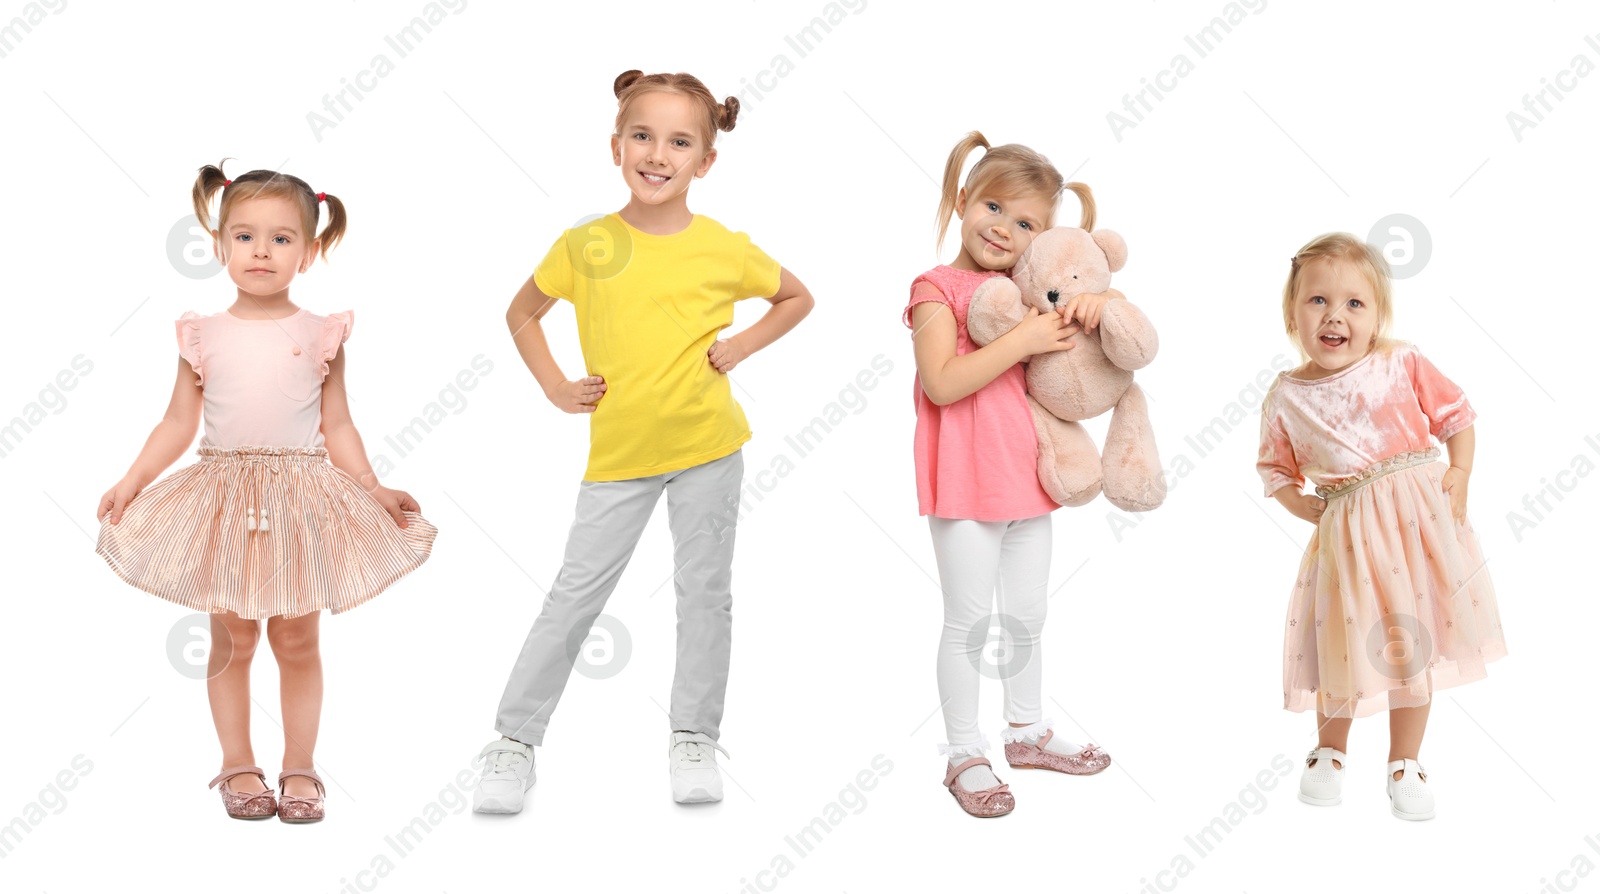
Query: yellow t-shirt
point(649, 307)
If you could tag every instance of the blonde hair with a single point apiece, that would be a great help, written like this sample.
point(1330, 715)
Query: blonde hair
point(1348, 248)
point(1009, 170)
point(632, 84)
point(267, 183)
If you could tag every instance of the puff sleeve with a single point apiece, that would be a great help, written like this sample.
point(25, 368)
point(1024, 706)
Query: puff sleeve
point(1275, 461)
point(335, 330)
point(188, 329)
point(1441, 400)
point(924, 289)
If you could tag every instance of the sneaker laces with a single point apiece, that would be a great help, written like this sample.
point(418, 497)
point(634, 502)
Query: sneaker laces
point(501, 759)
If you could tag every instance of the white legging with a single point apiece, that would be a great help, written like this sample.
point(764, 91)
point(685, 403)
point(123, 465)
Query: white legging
point(979, 561)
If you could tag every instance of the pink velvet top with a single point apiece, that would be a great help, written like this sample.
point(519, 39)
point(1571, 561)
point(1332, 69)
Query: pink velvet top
point(977, 458)
point(1387, 403)
point(262, 378)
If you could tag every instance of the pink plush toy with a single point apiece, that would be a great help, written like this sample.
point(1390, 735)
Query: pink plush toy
point(1067, 387)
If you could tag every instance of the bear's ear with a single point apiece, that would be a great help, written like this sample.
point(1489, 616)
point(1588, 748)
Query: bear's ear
point(1110, 242)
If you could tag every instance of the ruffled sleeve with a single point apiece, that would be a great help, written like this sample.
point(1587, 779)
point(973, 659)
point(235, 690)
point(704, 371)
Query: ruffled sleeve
point(1441, 400)
point(188, 328)
point(1275, 461)
point(924, 289)
point(335, 330)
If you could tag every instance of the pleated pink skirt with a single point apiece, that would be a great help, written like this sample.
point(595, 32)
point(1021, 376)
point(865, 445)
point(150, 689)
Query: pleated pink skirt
point(262, 531)
point(1393, 599)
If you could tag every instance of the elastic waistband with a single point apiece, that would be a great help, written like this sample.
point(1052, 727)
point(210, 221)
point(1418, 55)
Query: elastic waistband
point(271, 454)
point(1377, 470)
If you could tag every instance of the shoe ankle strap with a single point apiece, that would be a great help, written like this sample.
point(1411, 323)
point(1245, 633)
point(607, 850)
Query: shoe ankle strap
point(308, 773)
point(235, 771)
point(1327, 751)
point(957, 770)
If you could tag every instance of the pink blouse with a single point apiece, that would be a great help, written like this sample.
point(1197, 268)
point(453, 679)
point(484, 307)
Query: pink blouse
point(262, 378)
point(1387, 403)
point(977, 458)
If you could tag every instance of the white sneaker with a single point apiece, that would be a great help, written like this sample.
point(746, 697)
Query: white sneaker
point(1321, 784)
point(1410, 798)
point(693, 760)
point(507, 773)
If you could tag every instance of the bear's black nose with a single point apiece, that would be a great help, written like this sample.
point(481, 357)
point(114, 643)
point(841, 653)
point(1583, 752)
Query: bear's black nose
point(1053, 295)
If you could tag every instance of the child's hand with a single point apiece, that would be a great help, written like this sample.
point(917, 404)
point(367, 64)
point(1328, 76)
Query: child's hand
point(1086, 308)
point(1455, 484)
point(725, 354)
point(1042, 333)
point(578, 396)
point(117, 499)
point(1307, 506)
point(397, 503)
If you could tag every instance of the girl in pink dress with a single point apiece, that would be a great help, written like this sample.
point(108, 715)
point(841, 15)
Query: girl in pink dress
point(264, 525)
point(977, 467)
point(1393, 600)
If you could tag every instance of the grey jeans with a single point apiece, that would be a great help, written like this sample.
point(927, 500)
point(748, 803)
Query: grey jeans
point(702, 511)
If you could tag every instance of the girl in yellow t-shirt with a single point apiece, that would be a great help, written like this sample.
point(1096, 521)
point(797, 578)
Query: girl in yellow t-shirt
point(652, 286)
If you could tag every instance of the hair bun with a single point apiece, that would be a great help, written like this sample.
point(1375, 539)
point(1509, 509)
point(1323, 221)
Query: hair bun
point(625, 80)
point(728, 113)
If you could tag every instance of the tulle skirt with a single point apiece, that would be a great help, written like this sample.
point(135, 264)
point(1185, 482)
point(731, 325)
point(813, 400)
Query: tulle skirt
point(1393, 598)
point(262, 531)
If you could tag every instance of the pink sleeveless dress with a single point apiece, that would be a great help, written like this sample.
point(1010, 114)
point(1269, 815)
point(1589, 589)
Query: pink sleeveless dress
point(978, 457)
point(263, 524)
point(1393, 599)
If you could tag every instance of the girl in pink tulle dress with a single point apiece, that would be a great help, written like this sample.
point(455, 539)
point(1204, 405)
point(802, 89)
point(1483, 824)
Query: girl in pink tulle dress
point(1393, 600)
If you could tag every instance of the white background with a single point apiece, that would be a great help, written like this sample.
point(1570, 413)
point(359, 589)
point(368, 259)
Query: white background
point(460, 167)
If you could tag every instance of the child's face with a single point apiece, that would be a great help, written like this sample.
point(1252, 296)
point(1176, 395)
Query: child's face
point(660, 149)
point(996, 230)
point(263, 246)
point(1334, 313)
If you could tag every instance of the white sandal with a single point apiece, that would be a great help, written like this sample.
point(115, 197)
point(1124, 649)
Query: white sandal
point(1321, 784)
point(1410, 797)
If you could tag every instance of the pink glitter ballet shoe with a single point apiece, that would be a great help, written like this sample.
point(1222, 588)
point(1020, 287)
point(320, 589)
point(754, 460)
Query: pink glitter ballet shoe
point(245, 805)
point(301, 810)
point(993, 801)
point(1033, 755)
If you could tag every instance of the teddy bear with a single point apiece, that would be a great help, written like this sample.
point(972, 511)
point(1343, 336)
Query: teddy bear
point(1096, 375)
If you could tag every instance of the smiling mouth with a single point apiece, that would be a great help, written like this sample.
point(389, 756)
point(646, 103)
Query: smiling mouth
point(995, 246)
point(1332, 341)
point(654, 179)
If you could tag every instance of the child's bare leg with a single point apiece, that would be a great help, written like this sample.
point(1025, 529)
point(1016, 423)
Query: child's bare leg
point(233, 643)
point(296, 646)
point(1406, 726)
point(1333, 732)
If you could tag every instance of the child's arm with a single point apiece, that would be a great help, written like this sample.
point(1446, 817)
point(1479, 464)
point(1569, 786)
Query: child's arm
point(527, 306)
point(1460, 445)
point(947, 377)
point(346, 451)
point(170, 438)
point(1301, 505)
point(789, 307)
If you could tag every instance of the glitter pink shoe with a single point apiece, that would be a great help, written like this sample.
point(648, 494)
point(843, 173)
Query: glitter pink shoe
point(993, 801)
point(301, 810)
point(245, 805)
point(1024, 754)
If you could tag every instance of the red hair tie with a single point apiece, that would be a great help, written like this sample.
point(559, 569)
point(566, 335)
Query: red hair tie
point(321, 196)
point(227, 183)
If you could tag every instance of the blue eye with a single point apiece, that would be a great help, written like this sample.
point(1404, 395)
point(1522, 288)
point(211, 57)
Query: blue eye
point(285, 239)
point(1315, 298)
point(1356, 302)
point(243, 237)
point(993, 208)
point(1025, 225)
